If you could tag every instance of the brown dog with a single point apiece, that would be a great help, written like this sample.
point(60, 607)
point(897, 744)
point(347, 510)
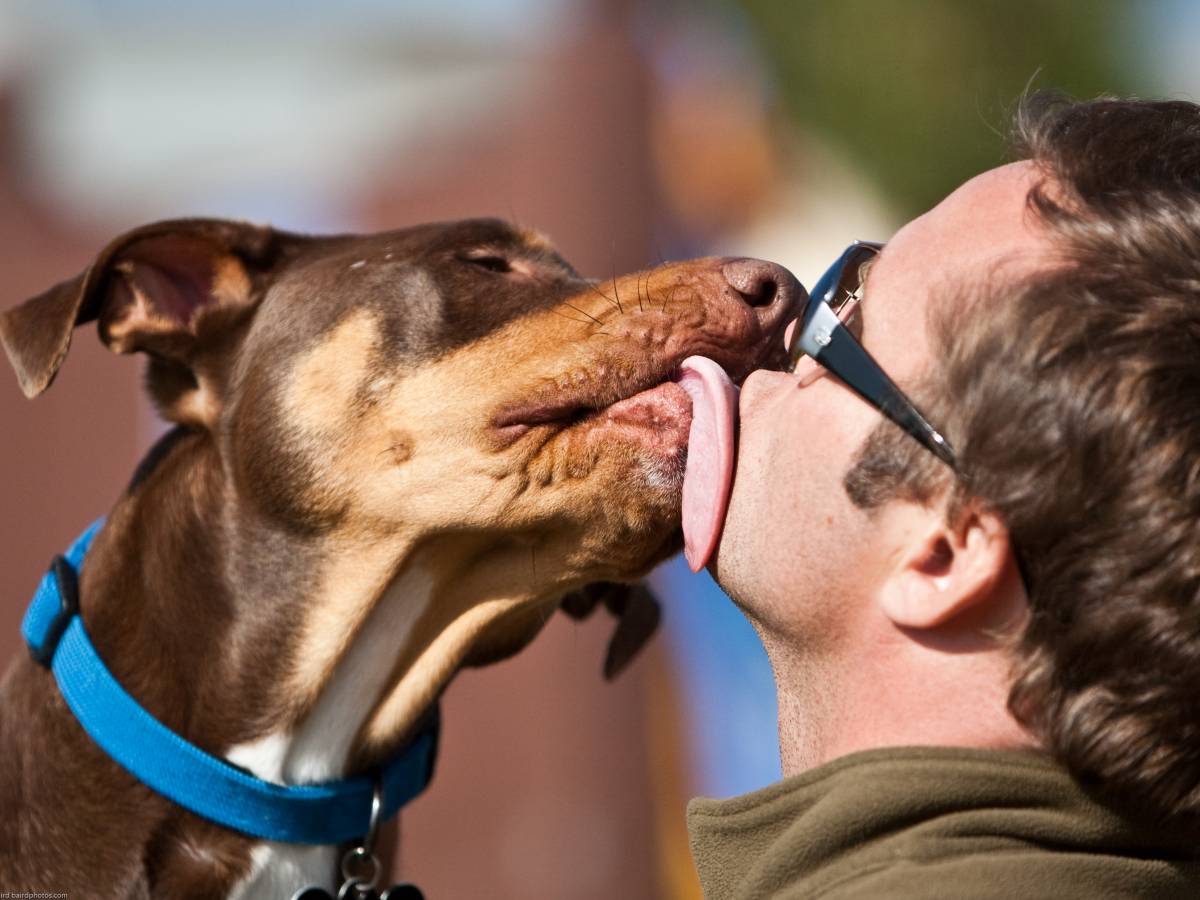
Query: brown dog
point(393, 456)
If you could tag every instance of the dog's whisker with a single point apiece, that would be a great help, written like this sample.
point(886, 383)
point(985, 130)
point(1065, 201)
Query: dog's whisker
point(596, 289)
point(585, 312)
point(617, 291)
point(671, 296)
point(547, 612)
point(569, 318)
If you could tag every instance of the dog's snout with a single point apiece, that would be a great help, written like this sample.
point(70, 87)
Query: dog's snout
point(766, 287)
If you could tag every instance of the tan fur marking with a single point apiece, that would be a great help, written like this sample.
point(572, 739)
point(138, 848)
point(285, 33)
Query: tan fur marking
point(450, 480)
point(445, 480)
point(351, 584)
point(441, 654)
point(138, 315)
point(230, 284)
point(535, 240)
point(200, 407)
point(327, 379)
point(479, 582)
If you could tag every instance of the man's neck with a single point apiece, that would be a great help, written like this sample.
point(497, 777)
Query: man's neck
point(890, 691)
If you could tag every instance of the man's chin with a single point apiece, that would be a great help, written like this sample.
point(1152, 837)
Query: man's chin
point(731, 542)
point(723, 564)
point(727, 568)
point(738, 564)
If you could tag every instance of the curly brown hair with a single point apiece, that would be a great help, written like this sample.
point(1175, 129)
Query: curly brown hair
point(1074, 405)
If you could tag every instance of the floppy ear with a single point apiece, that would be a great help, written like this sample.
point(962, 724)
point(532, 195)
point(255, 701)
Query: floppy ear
point(166, 289)
point(942, 570)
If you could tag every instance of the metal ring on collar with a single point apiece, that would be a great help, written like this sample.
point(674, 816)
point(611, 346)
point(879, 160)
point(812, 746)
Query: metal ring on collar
point(364, 860)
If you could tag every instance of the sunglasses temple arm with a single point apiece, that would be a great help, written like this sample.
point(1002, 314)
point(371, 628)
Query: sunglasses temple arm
point(844, 356)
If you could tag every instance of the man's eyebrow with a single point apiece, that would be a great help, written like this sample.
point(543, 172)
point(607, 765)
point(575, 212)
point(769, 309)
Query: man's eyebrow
point(866, 269)
point(861, 303)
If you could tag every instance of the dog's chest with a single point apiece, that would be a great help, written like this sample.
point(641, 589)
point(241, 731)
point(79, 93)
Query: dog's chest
point(319, 749)
point(276, 870)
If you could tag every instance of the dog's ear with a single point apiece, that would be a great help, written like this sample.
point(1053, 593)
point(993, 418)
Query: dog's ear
point(164, 289)
point(637, 613)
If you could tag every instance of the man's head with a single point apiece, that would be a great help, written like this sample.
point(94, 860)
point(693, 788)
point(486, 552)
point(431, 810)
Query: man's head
point(1046, 318)
point(800, 432)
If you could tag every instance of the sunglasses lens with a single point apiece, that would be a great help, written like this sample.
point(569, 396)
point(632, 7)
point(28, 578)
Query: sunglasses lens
point(850, 279)
point(839, 284)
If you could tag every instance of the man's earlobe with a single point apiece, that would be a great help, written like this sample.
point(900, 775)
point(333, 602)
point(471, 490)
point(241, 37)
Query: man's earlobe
point(944, 570)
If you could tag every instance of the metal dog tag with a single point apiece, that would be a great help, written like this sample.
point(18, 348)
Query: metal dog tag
point(402, 892)
point(360, 892)
point(360, 867)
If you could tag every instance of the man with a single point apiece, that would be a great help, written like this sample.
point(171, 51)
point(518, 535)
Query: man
point(984, 625)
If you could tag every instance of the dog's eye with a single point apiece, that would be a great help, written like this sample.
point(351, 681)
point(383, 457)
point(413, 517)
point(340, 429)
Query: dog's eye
point(490, 262)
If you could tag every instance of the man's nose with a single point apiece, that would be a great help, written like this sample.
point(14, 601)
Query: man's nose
point(770, 290)
point(808, 370)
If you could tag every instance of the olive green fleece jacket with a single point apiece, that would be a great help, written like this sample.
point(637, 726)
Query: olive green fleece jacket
point(929, 822)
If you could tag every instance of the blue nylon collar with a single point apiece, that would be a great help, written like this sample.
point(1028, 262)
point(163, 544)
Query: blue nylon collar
point(329, 813)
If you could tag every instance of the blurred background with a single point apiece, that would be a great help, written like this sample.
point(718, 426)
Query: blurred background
point(631, 133)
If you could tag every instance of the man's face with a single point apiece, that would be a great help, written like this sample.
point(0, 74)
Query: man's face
point(795, 553)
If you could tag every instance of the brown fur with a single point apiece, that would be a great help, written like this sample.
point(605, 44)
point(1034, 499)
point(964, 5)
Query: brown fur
point(337, 400)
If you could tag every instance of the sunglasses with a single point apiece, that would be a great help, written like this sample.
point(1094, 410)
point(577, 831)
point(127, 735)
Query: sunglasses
point(821, 333)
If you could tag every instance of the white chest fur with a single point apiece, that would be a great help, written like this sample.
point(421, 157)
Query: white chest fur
point(319, 748)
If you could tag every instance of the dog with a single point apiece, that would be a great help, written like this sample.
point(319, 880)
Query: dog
point(391, 456)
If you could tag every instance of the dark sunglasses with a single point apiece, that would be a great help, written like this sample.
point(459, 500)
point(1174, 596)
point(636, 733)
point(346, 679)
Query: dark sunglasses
point(822, 334)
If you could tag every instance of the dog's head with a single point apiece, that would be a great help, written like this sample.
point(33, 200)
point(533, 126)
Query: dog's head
point(455, 381)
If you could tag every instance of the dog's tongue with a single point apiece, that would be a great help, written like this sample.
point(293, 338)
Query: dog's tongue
point(710, 456)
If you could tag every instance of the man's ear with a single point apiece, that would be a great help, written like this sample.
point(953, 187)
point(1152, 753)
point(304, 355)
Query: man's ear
point(943, 570)
point(166, 289)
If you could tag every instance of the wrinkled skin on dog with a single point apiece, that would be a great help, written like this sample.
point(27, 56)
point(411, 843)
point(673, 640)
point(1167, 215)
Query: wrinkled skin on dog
point(393, 456)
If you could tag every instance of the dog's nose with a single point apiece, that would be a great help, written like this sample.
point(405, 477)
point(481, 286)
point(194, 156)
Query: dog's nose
point(769, 289)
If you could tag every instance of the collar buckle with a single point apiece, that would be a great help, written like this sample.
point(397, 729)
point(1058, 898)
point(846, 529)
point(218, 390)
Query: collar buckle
point(67, 581)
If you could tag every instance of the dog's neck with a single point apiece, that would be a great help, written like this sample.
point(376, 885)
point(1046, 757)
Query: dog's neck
point(302, 657)
point(248, 640)
point(320, 738)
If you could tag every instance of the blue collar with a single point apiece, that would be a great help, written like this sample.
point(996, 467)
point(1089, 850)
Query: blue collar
point(329, 813)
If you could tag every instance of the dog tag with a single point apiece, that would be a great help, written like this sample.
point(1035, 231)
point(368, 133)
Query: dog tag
point(352, 889)
point(402, 892)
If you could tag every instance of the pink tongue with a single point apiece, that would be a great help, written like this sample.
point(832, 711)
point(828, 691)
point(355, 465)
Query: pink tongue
point(710, 456)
